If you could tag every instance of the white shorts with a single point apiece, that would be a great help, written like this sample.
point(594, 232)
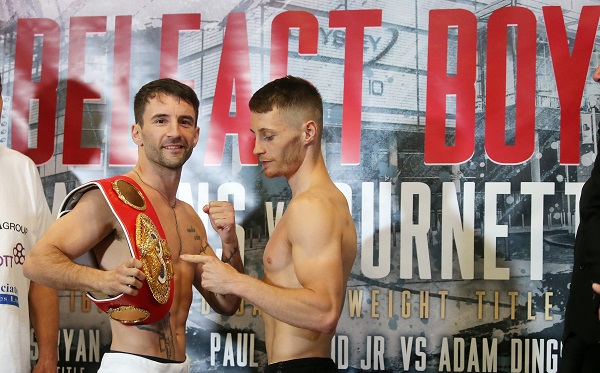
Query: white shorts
point(116, 362)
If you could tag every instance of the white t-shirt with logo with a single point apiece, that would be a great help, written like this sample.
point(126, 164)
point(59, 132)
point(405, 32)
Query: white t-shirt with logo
point(24, 217)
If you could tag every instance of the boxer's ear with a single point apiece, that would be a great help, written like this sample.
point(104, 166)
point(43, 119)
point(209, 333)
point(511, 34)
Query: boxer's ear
point(136, 134)
point(310, 131)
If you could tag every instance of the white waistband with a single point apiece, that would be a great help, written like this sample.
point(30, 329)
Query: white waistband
point(117, 362)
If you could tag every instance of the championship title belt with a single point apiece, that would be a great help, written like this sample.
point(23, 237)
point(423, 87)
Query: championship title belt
point(146, 242)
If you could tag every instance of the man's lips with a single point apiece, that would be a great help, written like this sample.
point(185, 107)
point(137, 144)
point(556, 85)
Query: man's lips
point(173, 147)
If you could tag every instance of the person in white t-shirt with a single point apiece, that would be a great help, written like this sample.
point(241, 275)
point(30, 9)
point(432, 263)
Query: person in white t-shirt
point(24, 216)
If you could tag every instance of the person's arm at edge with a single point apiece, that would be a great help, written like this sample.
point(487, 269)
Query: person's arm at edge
point(596, 75)
point(44, 315)
point(43, 301)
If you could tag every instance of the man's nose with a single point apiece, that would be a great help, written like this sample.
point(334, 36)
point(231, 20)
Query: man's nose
point(258, 149)
point(174, 130)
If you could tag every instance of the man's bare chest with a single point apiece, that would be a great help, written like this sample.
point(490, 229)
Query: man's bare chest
point(278, 256)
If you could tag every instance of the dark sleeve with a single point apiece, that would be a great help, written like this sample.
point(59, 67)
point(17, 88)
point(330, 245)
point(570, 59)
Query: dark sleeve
point(588, 234)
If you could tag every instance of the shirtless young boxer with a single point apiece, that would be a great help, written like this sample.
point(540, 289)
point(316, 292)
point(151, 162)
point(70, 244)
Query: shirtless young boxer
point(166, 133)
point(309, 257)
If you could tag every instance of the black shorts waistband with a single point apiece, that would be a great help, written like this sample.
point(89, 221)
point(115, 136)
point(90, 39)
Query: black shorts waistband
point(153, 358)
point(316, 364)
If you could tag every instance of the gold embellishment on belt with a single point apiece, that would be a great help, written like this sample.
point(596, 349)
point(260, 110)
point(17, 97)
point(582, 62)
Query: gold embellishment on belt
point(129, 194)
point(155, 257)
point(128, 314)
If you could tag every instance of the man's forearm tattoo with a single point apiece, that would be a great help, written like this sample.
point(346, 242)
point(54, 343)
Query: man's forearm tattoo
point(231, 255)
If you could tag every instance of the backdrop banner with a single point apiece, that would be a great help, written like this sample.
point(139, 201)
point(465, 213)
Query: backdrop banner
point(460, 132)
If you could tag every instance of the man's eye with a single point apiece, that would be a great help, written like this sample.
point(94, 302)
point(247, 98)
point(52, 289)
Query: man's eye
point(268, 138)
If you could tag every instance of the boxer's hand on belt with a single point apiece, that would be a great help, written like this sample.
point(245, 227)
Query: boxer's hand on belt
point(222, 219)
point(126, 278)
